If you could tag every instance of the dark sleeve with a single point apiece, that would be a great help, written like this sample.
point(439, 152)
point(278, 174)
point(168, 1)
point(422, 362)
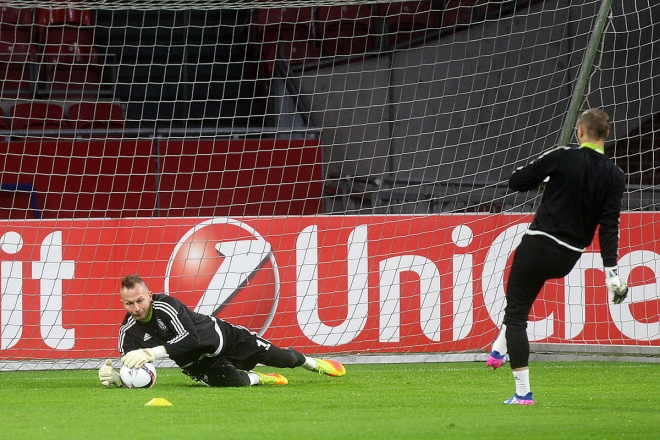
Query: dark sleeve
point(129, 343)
point(608, 234)
point(128, 336)
point(533, 174)
point(178, 316)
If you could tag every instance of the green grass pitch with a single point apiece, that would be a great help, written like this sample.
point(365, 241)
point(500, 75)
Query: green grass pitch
point(576, 400)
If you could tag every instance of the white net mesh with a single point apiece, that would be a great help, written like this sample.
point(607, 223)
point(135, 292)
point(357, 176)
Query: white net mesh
point(330, 174)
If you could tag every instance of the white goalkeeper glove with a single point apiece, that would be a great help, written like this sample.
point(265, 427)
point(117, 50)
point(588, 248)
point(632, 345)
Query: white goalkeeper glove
point(617, 288)
point(139, 357)
point(108, 375)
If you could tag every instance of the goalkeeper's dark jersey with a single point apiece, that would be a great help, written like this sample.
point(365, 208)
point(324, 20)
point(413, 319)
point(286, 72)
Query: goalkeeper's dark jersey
point(584, 190)
point(187, 336)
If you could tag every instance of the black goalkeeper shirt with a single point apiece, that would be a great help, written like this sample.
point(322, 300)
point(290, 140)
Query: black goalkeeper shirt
point(584, 190)
point(186, 335)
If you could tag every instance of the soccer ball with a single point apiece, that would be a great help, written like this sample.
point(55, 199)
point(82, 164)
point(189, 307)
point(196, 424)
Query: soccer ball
point(141, 377)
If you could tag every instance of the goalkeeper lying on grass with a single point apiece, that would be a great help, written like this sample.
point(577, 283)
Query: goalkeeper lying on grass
point(583, 191)
point(207, 349)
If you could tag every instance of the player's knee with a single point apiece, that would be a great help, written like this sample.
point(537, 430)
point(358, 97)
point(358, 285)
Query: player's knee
point(228, 378)
point(297, 358)
point(515, 323)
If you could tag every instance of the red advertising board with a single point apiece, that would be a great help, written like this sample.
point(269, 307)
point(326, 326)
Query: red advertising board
point(376, 284)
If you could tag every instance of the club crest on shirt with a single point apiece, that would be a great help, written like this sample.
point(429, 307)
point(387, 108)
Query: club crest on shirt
point(161, 324)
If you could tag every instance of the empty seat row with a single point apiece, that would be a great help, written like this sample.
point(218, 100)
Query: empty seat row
point(304, 33)
point(62, 41)
point(45, 115)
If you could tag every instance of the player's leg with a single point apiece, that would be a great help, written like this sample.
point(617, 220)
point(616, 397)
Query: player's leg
point(217, 372)
point(245, 350)
point(537, 260)
point(248, 350)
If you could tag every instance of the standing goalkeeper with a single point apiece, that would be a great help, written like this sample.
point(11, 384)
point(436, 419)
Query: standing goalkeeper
point(583, 190)
point(207, 349)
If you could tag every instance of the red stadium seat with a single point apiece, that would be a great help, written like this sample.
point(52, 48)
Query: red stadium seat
point(70, 59)
point(74, 17)
point(96, 115)
point(16, 17)
point(62, 26)
point(17, 55)
point(37, 116)
point(344, 30)
point(408, 20)
point(69, 63)
point(288, 29)
point(286, 24)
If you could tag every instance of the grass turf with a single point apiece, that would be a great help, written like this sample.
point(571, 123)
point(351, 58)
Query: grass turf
point(583, 400)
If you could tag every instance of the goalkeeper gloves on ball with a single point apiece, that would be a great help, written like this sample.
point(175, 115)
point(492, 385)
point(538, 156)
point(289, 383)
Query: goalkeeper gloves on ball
point(108, 375)
point(617, 288)
point(139, 357)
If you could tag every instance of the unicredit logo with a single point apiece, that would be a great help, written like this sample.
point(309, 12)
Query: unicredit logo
point(226, 269)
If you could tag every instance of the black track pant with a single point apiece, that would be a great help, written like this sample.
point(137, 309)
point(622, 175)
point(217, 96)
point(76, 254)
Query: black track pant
point(536, 260)
point(243, 350)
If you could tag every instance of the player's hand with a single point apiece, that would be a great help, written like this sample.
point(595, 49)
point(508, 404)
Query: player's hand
point(137, 358)
point(617, 288)
point(108, 375)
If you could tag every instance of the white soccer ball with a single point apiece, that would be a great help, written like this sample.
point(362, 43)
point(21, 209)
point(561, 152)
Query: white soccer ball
point(141, 377)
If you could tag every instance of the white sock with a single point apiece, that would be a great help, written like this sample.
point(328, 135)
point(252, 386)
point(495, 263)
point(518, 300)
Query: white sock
point(310, 364)
point(254, 378)
point(500, 343)
point(521, 378)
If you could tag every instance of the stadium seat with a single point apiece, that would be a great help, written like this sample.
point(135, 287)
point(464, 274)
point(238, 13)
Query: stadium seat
point(74, 17)
point(37, 116)
point(407, 21)
point(17, 17)
point(70, 59)
point(69, 64)
point(49, 20)
point(285, 28)
point(96, 115)
point(17, 58)
point(344, 30)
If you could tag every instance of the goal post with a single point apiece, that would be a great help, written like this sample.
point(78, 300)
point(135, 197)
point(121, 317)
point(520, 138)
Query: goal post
point(330, 175)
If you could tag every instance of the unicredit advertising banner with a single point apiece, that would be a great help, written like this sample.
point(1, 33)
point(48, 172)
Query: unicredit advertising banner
point(358, 284)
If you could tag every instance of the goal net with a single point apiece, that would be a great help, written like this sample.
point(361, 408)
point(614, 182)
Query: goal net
point(330, 175)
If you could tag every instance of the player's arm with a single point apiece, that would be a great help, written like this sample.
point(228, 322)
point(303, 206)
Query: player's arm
point(133, 347)
point(139, 357)
point(608, 236)
point(535, 173)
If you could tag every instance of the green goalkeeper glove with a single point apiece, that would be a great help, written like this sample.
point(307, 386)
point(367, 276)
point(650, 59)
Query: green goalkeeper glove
point(617, 288)
point(137, 358)
point(108, 375)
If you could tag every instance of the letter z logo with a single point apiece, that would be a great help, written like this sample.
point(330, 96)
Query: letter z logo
point(228, 270)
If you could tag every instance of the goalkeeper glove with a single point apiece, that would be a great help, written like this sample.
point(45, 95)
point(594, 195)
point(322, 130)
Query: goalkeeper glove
point(617, 288)
point(108, 375)
point(137, 358)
